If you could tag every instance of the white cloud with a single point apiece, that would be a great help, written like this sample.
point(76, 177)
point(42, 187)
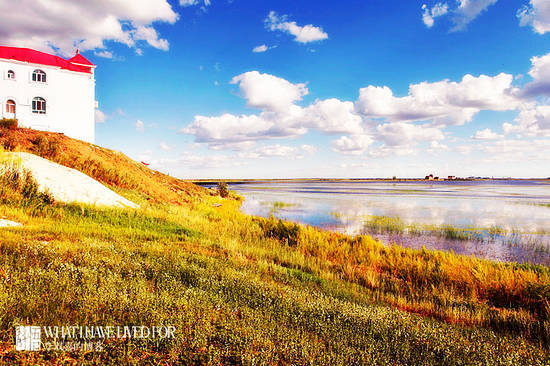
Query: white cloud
point(149, 34)
point(225, 131)
point(202, 161)
point(461, 15)
point(265, 91)
point(140, 126)
point(280, 117)
point(332, 116)
point(536, 15)
point(401, 134)
point(444, 102)
point(437, 10)
point(59, 25)
point(259, 49)
point(540, 72)
point(269, 151)
point(164, 146)
point(104, 54)
point(302, 34)
point(310, 149)
point(100, 117)
point(518, 150)
point(186, 3)
point(436, 146)
point(486, 134)
point(531, 121)
point(353, 145)
point(467, 11)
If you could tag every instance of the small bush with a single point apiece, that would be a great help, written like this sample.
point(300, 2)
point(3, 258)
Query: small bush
point(286, 232)
point(222, 189)
point(9, 123)
point(44, 147)
point(10, 143)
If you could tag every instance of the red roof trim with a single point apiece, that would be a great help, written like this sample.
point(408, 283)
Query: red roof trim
point(41, 58)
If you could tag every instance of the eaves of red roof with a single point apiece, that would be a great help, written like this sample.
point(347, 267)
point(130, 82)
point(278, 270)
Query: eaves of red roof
point(41, 58)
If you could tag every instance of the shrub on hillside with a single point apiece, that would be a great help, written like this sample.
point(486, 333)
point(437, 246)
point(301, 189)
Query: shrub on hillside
point(44, 147)
point(10, 142)
point(18, 187)
point(286, 232)
point(222, 189)
point(9, 123)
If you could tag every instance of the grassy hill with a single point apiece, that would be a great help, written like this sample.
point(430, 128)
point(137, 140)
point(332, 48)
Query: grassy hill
point(246, 290)
point(109, 167)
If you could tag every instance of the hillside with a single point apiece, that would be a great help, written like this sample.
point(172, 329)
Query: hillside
point(241, 289)
point(109, 167)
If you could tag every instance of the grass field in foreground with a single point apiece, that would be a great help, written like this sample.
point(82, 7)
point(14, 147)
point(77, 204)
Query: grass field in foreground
point(245, 290)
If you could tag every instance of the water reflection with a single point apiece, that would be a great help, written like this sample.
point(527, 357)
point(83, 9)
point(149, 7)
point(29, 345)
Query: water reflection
point(516, 206)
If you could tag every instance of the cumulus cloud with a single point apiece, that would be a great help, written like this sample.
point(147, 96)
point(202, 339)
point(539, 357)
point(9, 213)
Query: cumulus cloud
point(265, 91)
point(486, 134)
point(536, 15)
point(100, 117)
point(57, 25)
point(164, 146)
point(437, 10)
point(302, 34)
point(400, 133)
point(531, 121)
point(279, 117)
point(444, 102)
point(540, 72)
point(352, 145)
point(332, 116)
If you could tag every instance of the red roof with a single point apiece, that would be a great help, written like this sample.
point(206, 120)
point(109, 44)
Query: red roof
point(41, 58)
point(80, 60)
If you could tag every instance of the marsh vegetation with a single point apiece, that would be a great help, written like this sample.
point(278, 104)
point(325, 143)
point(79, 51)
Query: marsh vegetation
point(249, 290)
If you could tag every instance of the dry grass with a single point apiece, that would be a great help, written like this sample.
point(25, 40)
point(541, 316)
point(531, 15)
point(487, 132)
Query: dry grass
point(110, 167)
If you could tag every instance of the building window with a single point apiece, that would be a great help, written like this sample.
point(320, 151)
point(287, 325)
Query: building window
point(10, 107)
point(11, 75)
point(39, 76)
point(39, 105)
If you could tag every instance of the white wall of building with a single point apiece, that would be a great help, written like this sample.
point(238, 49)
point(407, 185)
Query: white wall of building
point(69, 95)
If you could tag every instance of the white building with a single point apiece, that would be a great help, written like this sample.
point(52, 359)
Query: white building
point(48, 93)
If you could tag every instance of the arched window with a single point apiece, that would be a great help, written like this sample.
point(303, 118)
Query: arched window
point(39, 105)
point(10, 107)
point(11, 74)
point(39, 76)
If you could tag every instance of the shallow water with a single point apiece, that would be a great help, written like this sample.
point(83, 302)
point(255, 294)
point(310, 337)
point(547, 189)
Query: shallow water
point(511, 205)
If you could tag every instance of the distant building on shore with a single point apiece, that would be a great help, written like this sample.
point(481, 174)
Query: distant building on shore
point(47, 92)
point(429, 177)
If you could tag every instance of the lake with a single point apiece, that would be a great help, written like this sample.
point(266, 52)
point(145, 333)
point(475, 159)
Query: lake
point(504, 220)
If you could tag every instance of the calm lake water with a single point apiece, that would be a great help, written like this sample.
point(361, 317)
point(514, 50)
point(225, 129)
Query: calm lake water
point(487, 207)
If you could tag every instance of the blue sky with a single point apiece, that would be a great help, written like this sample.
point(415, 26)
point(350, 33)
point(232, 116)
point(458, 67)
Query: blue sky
point(370, 88)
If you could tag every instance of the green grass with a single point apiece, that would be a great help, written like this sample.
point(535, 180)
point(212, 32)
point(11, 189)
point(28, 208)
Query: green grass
point(245, 290)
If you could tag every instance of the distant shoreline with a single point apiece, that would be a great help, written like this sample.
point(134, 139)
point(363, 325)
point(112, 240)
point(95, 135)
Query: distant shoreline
point(355, 180)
